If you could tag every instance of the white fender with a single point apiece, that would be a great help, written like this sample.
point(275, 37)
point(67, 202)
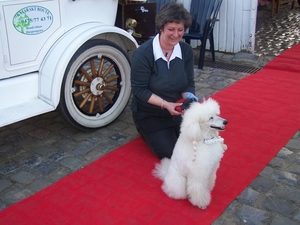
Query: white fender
point(55, 62)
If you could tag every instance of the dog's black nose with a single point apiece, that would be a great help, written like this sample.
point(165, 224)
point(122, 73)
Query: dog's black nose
point(225, 122)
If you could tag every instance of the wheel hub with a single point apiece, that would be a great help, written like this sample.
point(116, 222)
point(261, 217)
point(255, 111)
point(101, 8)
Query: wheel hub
point(97, 86)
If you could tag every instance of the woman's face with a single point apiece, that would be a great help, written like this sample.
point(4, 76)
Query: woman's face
point(172, 33)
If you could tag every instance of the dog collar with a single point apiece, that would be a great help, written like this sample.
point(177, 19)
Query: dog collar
point(209, 142)
point(213, 140)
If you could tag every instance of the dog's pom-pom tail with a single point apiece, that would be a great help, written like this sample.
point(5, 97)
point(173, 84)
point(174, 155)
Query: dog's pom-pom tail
point(161, 168)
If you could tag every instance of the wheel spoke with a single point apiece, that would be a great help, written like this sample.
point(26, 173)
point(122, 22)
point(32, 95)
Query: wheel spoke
point(100, 104)
point(100, 67)
point(81, 92)
point(85, 100)
point(111, 88)
point(107, 71)
point(92, 63)
point(112, 78)
point(82, 83)
point(92, 104)
point(86, 74)
point(105, 95)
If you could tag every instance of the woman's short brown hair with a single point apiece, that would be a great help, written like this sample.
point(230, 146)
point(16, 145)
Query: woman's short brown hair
point(172, 12)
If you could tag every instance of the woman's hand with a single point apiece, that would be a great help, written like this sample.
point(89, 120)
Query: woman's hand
point(190, 95)
point(170, 106)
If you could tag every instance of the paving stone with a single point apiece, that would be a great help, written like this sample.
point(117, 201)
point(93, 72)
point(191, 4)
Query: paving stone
point(103, 132)
point(293, 143)
point(15, 137)
point(8, 150)
point(21, 156)
point(132, 131)
point(51, 139)
point(232, 206)
point(243, 56)
point(279, 220)
point(8, 168)
point(23, 177)
point(297, 135)
point(32, 161)
point(68, 131)
point(216, 82)
point(44, 150)
point(288, 193)
point(4, 133)
point(219, 55)
point(252, 216)
point(72, 163)
point(285, 177)
point(95, 140)
point(38, 185)
point(56, 127)
point(84, 136)
point(262, 184)
point(29, 143)
point(276, 205)
point(294, 168)
point(82, 149)
point(15, 195)
point(45, 167)
point(227, 221)
point(297, 216)
point(276, 162)
point(284, 153)
point(2, 206)
point(94, 154)
point(249, 196)
point(57, 156)
point(118, 137)
point(59, 173)
point(3, 160)
point(267, 172)
point(4, 183)
point(118, 126)
point(39, 133)
point(65, 144)
point(43, 122)
point(227, 57)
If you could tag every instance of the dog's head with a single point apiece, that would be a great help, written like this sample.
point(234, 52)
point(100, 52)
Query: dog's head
point(206, 114)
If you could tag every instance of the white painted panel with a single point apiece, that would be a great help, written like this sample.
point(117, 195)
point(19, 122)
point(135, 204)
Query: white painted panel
point(28, 27)
point(235, 31)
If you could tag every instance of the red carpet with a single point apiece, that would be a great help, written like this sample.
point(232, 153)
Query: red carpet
point(263, 112)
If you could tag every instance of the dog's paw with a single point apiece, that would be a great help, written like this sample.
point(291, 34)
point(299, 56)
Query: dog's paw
point(224, 147)
point(203, 207)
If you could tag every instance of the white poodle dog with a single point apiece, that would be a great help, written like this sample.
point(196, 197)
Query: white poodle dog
point(191, 171)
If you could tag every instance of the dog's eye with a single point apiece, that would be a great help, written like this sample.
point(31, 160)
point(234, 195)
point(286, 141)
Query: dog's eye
point(211, 118)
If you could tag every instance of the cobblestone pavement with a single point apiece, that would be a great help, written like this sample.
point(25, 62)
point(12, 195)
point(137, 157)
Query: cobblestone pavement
point(39, 151)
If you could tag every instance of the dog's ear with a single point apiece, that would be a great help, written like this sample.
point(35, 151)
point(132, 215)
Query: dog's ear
point(190, 127)
point(187, 103)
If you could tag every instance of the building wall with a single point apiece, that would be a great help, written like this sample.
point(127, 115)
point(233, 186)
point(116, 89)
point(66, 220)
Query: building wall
point(235, 31)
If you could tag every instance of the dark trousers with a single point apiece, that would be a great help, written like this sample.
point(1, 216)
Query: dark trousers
point(160, 142)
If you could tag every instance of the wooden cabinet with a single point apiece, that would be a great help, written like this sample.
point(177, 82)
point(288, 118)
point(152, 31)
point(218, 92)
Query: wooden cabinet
point(138, 19)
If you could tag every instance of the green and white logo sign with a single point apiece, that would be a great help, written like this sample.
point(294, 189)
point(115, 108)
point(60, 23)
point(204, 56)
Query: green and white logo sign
point(32, 20)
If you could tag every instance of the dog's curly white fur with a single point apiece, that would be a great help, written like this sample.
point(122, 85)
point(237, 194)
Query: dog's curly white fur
point(191, 171)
